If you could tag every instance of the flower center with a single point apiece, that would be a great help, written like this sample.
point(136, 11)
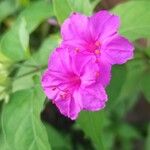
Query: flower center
point(74, 80)
point(95, 47)
point(67, 85)
point(97, 51)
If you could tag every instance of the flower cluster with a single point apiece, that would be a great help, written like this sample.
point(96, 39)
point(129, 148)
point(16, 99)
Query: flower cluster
point(80, 69)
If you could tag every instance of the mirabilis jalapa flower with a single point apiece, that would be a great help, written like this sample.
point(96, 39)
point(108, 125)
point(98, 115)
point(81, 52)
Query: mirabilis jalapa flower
point(72, 82)
point(79, 70)
point(97, 35)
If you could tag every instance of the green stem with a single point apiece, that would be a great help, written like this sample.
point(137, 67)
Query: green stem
point(37, 69)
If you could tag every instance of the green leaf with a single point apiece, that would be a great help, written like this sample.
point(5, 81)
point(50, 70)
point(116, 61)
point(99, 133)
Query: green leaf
point(95, 3)
point(24, 35)
point(92, 124)
point(6, 8)
point(147, 144)
point(36, 13)
point(116, 84)
point(5, 60)
point(145, 85)
point(14, 43)
point(58, 141)
point(135, 19)
point(61, 9)
point(21, 124)
point(83, 6)
point(35, 64)
point(131, 85)
point(48, 45)
point(2, 144)
point(126, 131)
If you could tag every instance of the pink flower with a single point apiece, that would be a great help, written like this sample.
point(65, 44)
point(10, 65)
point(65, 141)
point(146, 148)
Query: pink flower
point(97, 35)
point(75, 82)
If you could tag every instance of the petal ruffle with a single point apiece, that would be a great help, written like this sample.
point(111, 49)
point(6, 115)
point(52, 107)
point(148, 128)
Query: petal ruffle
point(76, 26)
point(90, 74)
point(103, 25)
point(105, 73)
point(47, 84)
point(70, 107)
point(93, 97)
point(117, 50)
point(57, 60)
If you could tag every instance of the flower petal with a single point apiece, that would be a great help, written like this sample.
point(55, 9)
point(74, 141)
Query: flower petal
point(47, 84)
point(80, 62)
point(59, 59)
point(117, 50)
point(93, 97)
point(105, 73)
point(90, 73)
point(63, 106)
point(70, 107)
point(104, 25)
point(75, 27)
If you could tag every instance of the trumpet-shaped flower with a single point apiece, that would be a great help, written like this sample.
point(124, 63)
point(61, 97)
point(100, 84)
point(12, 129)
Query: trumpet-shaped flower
point(75, 82)
point(97, 35)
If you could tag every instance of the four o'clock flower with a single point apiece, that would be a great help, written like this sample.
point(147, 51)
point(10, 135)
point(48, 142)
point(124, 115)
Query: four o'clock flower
point(74, 83)
point(97, 35)
point(79, 70)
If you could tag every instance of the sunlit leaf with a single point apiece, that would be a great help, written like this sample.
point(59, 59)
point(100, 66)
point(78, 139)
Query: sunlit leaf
point(61, 9)
point(21, 124)
point(35, 64)
point(14, 43)
point(36, 13)
point(83, 6)
point(134, 19)
point(7, 7)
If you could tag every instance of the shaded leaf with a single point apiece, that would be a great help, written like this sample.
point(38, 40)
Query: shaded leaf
point(116, 84)
point(92, 124)
point(145, 85)
point(147, 144)
point(58, 141)
point(126, 131)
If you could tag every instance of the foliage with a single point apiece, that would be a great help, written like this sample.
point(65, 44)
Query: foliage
point(26, 41)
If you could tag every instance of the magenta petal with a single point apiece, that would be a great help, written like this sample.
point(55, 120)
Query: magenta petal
point(90, 74)
point(81, 62)
point(47, 84)
point(93, 98)
point(75, 27)
point(117, 50)
point(57, 60)
point(105, 73)
point(63, 106)
point(104, 24)
point(70, 107)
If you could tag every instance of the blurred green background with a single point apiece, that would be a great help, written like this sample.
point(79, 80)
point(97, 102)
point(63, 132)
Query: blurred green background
point(29, 31)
